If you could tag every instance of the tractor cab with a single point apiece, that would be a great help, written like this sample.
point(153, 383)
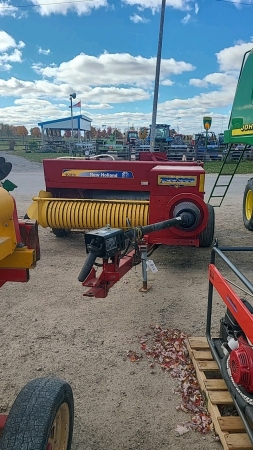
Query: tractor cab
point(162, 133)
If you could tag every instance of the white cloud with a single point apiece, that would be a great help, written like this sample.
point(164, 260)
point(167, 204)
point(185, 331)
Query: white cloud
point(167, 82)
point(196, 8)
point(112, 69)
point(15, 56)
point(97, 106)
point(198, 83)
point(6, 9)
point(4, 66)
point(47, 7)
point(239, 3)
point(138, 19)
point(155, 5)
point(231, 58)
point(224, 80)
point(191, 112)
point(7, 42)
point(41, 51)
point(23, 112)
point(117, 78)
point(219, 79)
point(186, 19)
point(37, 67)
point(207, 101)
point(44, 88)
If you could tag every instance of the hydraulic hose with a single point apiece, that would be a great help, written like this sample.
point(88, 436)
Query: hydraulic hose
point(88, 264)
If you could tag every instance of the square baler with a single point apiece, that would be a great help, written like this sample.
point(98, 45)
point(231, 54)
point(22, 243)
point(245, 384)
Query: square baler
point(89, 194)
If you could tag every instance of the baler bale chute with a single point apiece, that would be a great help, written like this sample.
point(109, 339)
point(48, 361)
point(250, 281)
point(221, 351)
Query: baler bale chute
point(87, 194)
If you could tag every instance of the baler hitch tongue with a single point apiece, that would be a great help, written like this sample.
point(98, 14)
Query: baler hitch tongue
point(107, 242)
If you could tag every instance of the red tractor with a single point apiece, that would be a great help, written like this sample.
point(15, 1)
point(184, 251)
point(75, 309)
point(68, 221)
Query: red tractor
point(131, 137)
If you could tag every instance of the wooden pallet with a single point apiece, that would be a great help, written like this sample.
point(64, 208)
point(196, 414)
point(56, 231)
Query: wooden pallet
point(230, 429)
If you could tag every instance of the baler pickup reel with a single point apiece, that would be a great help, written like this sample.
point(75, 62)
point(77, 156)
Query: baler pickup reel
point(124, 249)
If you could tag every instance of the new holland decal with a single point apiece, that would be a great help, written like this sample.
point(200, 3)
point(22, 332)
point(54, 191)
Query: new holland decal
point(97, 173)
point(177, 180)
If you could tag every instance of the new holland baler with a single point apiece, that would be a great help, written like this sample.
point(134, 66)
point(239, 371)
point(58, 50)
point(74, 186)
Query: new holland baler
point(89, 194)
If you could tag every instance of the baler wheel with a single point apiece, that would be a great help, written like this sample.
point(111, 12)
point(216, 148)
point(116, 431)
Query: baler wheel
point(206, 236)
point(60, 232)
point(41, 417)
point(248, 205)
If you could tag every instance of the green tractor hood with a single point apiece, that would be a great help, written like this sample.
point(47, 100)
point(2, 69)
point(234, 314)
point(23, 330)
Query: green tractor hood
point(241, 119)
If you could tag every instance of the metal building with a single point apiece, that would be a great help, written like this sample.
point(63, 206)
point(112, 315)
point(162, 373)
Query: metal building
point(53, 128)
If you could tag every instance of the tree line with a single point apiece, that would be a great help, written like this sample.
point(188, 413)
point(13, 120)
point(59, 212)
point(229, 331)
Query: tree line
point(12, 131)
point(98, 133)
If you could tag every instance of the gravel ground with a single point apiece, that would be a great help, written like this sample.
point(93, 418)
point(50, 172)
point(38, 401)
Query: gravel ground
point(48, 328)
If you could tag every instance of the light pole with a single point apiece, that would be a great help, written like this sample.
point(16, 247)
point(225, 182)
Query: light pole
point(71, 108)
point(157, 77)
point(178, 118)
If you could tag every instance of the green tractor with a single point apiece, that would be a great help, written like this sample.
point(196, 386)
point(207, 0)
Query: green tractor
point(241, 128)
point(239, 139)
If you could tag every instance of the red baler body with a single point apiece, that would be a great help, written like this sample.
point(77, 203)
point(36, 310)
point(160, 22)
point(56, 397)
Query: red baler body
point(163, 184)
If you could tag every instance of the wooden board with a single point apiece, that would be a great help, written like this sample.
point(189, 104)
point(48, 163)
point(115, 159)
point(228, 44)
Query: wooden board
point(230, 429)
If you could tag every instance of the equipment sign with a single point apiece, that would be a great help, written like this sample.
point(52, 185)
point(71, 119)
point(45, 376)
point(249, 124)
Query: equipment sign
point(97, 173)
point(246, 129)
point(176, 180)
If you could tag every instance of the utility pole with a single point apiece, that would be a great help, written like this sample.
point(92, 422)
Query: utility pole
point(157, 78)
point(72, 127)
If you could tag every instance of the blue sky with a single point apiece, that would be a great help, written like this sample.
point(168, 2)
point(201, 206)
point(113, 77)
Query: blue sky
point(105, 51)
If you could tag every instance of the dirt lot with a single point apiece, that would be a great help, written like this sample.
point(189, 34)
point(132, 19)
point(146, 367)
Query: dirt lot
point(48, 328)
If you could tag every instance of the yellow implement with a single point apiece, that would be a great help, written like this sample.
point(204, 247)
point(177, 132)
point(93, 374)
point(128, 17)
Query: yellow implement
point(13, 254)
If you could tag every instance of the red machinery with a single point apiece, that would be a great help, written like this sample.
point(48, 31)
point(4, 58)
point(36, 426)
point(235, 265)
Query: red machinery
point(89, 194)
point(233, 349)
point(131, 137)
point(120, 250)
point(120, 200)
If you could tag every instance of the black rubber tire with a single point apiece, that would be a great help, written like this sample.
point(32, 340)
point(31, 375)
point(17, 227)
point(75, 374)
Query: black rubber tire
point(206, 236)
point(248, 221)
point(61, 233)
point(32, 415)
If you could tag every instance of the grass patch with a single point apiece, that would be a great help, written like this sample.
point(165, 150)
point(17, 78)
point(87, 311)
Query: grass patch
point(245, 167)
point(36, 157)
